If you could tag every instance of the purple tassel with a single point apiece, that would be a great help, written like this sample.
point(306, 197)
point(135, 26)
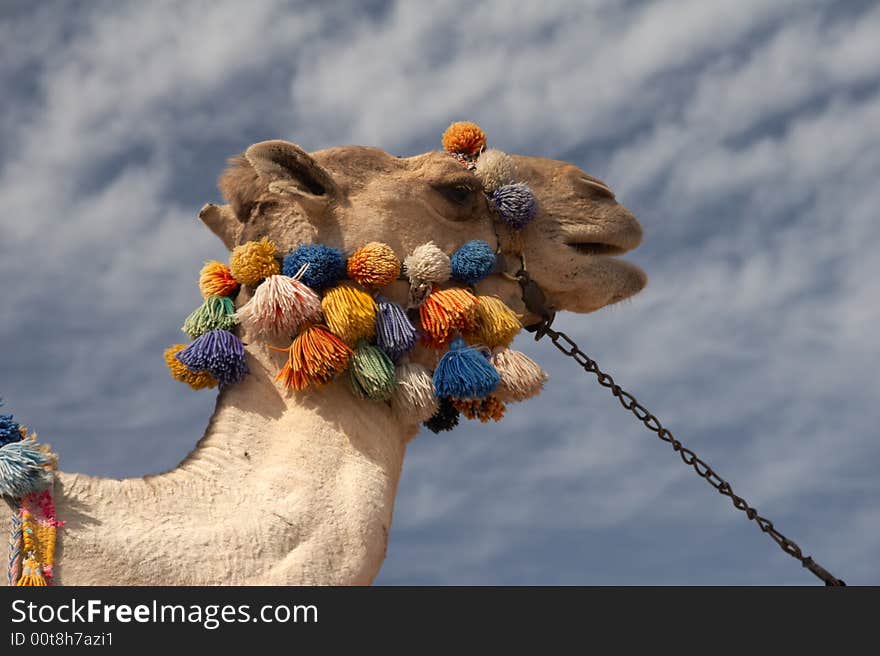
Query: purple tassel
point(516, 203)
point(218, 352)
point(395, 333)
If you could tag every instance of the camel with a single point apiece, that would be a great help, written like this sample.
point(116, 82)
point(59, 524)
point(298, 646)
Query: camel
point(299, 489)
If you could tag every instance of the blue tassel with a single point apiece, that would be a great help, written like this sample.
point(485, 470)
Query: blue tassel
point(9, 429)
point(23, 469)
point(464, 373)
point(516, 203)
point(472, 262)
point(326, 265)
point(395, 333)
point(218, 352)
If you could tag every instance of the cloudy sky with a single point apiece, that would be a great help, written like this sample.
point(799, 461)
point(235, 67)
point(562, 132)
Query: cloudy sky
point(744, 134)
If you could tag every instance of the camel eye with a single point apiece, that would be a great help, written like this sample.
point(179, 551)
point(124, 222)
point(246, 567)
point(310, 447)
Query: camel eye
point(456, 193)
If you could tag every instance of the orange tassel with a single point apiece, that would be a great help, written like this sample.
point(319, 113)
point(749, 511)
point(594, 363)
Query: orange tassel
point(215, 279)
point(444, 313)
point(314, 357)
point(489, 408)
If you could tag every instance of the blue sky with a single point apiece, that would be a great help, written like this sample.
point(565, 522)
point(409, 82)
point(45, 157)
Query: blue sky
point(745, 135)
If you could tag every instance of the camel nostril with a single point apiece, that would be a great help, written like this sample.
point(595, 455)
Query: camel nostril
point(599, 188)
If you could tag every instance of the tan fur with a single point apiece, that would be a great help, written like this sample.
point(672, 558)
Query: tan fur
point(299, 488)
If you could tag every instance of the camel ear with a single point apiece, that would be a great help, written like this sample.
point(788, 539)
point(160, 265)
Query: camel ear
point(223, 223)
point(291, 171)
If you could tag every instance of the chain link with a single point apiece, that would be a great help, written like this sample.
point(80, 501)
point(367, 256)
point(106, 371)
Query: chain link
point(566, 345)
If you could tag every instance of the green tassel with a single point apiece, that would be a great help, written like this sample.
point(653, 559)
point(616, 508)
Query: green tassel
point(216, 313)
point(371, 373)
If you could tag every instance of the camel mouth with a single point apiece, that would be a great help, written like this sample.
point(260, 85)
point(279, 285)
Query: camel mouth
point(596, 248)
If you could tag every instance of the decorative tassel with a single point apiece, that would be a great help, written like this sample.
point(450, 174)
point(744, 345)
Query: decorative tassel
point(24, 468)
point(445, 419)
point(427, 263)
point(314, 357)
point(216, 313)
point(521, 377)
point(516, 204)
point(464, 137)
point(488, 409)
point(495, 169)
point(32, 573)
point(472, 262)
point(218, 352)
point(443, 313)
point(413, 397)
point(254, 261)
point(326, 265)
point(494, 323)
point(10, 430)
point(464, 373)
point(371, 373)
point(374, 265)
point(279, 307)
point(215, 279)
point(395, 333)
point(195, 379)
point(350, 312)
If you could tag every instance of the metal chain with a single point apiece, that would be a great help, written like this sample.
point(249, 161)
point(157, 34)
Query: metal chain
point(567, 346)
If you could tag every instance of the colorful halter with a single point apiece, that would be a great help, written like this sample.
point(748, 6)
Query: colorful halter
point(26, 475)
point(341, 324)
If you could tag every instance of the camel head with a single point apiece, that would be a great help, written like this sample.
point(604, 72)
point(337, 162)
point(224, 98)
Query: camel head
point(351, 195)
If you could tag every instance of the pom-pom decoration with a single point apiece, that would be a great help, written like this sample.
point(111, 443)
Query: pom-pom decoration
point(350, 312)
point(195, 379)
point(395, 333)
point(10, 430)
point(516, 204)
point(215, 313)
point(495, 169)
point(464, 137)
point(488, 409)
point(215, 279)
point(218, 352)
point(253, 262)
point(374, 265)
point(521, 377)
point(315, 357)
point(494, 323)
point(445, 419)
point(413, 397)
point(427, 264)
point(472, 262)
point(371, 373)
point(25, 467)
point(464, 373)
point(326, 265)
point(279, 307)
point(445, 312)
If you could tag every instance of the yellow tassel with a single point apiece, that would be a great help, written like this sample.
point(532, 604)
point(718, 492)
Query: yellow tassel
point(494, 324)
point(350, 312)
point(254, 261)
point(31, 573)
point(444, 313)
point(178, 370)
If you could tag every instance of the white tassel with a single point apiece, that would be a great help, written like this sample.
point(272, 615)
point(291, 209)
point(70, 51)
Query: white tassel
point(413, 397)
point(279, 306)
point(495, 169)
point(521, 377)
